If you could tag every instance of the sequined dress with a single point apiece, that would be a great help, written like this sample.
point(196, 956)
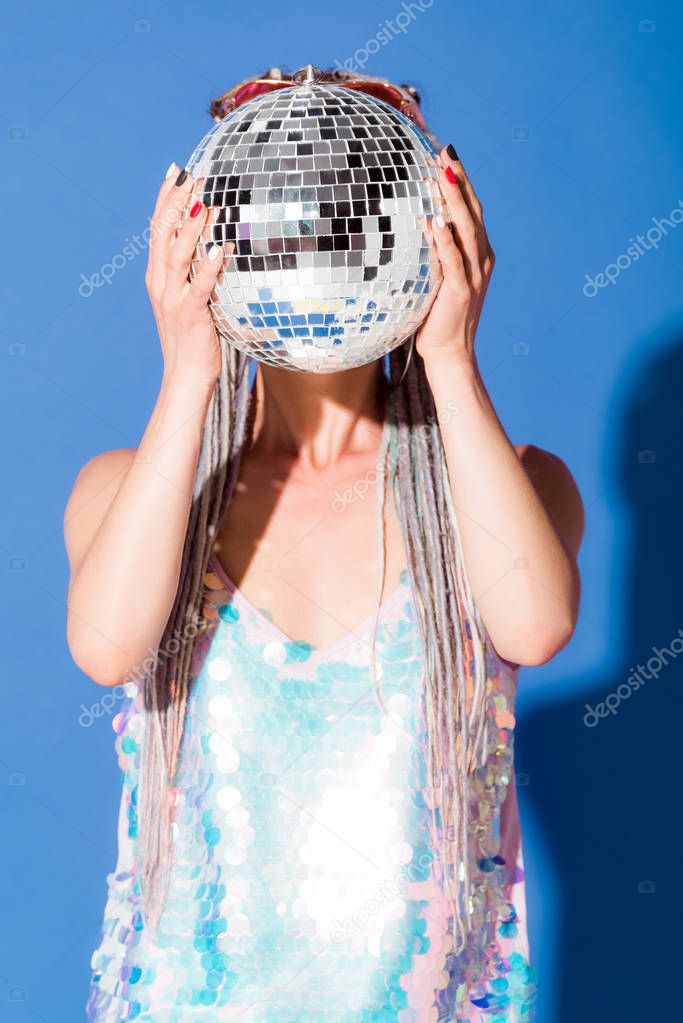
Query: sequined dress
point(303, 888)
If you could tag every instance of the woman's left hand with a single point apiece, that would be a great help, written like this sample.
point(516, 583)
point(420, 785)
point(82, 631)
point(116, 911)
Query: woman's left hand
point(467, 261)
point(536, 519)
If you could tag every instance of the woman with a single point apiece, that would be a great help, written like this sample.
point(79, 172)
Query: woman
point(318, 819)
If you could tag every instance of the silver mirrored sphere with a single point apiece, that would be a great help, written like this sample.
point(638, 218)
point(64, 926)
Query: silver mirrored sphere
point(323, 190)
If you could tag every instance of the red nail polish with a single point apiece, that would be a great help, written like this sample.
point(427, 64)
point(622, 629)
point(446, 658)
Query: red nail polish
point(195, 209)
point(451, 176)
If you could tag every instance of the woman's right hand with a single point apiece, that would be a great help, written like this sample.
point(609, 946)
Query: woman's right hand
point(127, 518)
point(188, 336)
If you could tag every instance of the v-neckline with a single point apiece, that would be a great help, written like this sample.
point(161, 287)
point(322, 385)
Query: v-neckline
point(358, 633)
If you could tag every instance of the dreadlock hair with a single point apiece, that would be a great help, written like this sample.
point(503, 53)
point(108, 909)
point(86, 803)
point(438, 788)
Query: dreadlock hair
point(459, 738)
point(452, 633)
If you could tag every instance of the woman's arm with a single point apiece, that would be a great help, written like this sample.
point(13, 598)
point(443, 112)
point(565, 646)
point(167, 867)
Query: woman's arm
point(126, 519)
point(518, 509)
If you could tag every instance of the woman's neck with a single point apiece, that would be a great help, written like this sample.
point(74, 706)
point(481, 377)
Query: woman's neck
point(317, 418)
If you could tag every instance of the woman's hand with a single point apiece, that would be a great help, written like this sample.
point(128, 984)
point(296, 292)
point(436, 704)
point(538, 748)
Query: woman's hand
point(188, 337)
point(127, 518)
point(467, 261)
point(518, 510)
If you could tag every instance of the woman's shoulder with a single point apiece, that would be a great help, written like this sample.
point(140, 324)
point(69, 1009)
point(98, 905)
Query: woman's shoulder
point(116, 458)
point(539, 460)
point(557, 489)
point(95, 487)
point(99, 476)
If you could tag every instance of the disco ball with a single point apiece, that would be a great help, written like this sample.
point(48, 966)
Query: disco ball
point(322, 189)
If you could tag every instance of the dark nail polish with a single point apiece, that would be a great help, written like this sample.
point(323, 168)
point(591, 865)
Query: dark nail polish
point(181, 177)
point(451, 152)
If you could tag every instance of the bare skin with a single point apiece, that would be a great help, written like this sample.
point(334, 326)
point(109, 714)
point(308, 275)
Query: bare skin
point(300, 535)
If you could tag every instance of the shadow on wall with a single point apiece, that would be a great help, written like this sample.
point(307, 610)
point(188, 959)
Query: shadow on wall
point(606, 789)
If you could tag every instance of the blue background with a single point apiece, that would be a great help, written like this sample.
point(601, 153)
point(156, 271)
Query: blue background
point(567, 117)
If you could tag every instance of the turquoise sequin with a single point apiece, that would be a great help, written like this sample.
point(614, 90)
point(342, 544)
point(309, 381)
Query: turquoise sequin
point(304, 886)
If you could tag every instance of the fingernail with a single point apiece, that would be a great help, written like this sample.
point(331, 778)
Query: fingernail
point(451, 176)
point(170, 171)
point(195, 209)
point(215, 252)
point(181, 177)
point(440, 220)
point(451, 152)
